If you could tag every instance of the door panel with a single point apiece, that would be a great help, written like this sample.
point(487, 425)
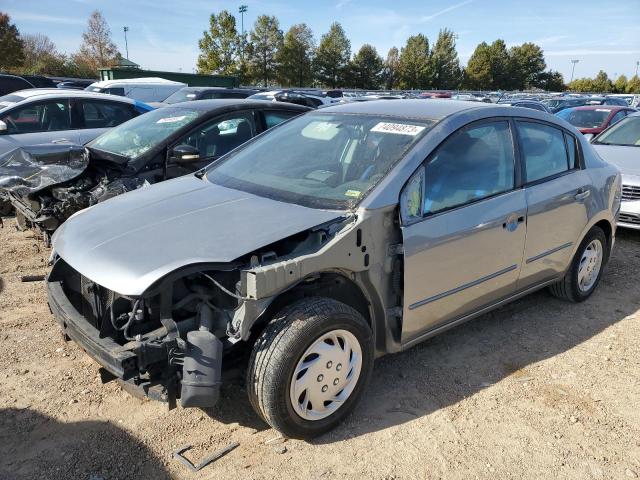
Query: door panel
point(461, 260)
point(557, 214)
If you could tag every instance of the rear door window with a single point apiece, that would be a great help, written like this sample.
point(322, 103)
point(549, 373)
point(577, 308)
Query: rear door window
point(101, 114)
point(543, 151)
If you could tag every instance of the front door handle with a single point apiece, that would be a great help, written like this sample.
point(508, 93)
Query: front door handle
point(512, 222)
point(582, 194)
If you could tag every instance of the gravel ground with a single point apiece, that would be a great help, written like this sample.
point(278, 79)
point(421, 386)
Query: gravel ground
point(537, 389)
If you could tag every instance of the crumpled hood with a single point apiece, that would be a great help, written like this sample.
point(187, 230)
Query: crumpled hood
point(127, 243)
point(627, 159)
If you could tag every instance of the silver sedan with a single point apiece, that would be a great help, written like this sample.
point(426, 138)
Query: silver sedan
point(339, 236)
point(620, 146)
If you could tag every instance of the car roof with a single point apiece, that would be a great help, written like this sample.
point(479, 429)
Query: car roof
point(64, 93)
point(137, 81)
point(600, 107)
point(435, 109)
point(207, 105)
point(217, 89)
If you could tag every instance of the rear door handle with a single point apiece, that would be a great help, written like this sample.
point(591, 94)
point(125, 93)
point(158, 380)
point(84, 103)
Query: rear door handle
point(582, 194)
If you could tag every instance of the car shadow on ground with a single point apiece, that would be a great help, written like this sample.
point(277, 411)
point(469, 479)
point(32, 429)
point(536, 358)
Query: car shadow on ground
point(459, 363)
point(33, 445)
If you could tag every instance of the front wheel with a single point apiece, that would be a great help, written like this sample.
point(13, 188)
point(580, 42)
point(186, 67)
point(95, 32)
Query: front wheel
point(586, 268)
point(309, 366)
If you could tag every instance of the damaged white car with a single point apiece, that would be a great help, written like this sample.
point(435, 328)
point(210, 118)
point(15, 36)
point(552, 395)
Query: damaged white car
point(344, 234)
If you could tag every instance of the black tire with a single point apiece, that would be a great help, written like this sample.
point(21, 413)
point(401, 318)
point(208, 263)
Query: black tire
point(567, 288)
point(278, 350)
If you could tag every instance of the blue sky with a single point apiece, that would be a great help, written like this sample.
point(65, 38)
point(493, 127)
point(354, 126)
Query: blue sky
point(164, 35)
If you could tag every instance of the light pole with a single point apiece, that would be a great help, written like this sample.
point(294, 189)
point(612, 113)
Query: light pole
point(573, 69)
point(126, 45)
point(637, 64)
point(242, 10)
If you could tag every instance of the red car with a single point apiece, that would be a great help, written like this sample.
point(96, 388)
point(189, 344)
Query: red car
point(594, 119)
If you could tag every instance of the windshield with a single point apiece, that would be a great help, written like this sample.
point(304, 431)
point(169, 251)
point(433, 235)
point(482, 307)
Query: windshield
point(585, 118)
point(183, 95)
point(320, 160)
point(137, 136)
point(625, 132)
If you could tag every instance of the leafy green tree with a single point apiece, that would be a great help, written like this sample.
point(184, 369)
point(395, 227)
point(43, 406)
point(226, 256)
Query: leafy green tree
point(11, 45)
point(266, 40)
point(527, 66)
point(414, 68)
point(602, 83)
point(633, 85)
point(490, 67)
point(390, 72)
point(478, 73)
point(366, 68)
point(295, 58)
point(551, 81)
point(444, 62)
point(501, 66)
point(620, 84)
point(582, 85)
point(220, 46)
point(332, 57)
point(97, 49)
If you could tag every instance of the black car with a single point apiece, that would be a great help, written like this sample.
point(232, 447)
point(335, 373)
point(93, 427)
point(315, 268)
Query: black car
point(40, 81)
point(47, 184)
point(187, 94)
point(13, 83)
point(74, 83)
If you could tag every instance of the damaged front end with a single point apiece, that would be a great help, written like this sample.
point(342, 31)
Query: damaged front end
point(46, 184)
point(169, 342)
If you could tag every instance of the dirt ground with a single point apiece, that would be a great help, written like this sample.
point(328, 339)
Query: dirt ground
point(537, 389)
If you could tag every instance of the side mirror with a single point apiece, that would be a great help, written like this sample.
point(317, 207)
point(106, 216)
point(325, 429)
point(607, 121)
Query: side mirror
point(3, 127)
point(185, 154)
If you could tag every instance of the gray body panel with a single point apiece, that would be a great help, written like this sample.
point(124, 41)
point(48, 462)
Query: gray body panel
point(460, 260)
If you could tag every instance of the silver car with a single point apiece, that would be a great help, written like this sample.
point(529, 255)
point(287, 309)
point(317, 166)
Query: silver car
point(45, 115)
point(337, 237)
point(620, 146)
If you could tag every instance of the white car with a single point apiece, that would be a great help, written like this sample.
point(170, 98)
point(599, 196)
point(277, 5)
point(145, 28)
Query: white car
point(45, 115)
point(620, 146)
point(151, 89)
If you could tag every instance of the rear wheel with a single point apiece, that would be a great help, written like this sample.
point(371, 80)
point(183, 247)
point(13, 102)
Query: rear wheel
point(309, 366)
point(583, 276)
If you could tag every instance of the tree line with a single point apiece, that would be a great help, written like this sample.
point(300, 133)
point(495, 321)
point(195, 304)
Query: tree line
point(266, 55)
point(36, 54)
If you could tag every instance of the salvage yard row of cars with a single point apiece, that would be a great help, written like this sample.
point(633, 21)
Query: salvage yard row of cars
point(306, 242)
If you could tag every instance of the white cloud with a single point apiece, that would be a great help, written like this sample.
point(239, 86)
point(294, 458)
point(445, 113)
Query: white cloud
point(43, 18)
point(445, 10)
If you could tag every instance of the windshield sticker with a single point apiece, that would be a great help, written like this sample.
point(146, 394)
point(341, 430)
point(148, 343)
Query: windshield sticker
point(398, 128)
point(172, 119)
point(352, 193)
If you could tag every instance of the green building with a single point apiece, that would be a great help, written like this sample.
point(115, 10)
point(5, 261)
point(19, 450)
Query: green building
point(125, 68)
